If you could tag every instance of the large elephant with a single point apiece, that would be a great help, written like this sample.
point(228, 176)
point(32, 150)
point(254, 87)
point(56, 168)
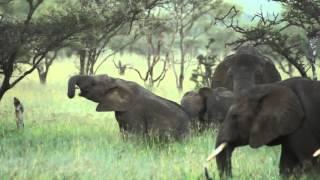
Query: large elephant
point(207, 107)
point(137, 110)
point(285, 113)
point(243, 70)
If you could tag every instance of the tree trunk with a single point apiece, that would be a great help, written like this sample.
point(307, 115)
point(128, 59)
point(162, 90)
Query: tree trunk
point(182, 60)
point(313, 66)
point(43, 68)
point(5, 86)
point(2, 91)
point(82, 54)
point(290, 70)
point(150, 55)
point(92, 60)
point(42, 77)
point(7, 71)
point(87, 65)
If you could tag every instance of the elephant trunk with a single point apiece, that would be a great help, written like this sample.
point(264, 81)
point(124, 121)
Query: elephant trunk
point(242, 83)
point(73, 81)
point(223, 160)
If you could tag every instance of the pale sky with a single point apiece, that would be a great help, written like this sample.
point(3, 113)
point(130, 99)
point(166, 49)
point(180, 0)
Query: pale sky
point(251, 7)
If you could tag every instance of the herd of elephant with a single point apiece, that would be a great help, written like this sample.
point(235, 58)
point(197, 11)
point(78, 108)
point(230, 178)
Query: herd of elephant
point(248, 103)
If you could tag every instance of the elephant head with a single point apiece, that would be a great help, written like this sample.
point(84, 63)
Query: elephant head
point(260, 116)
point(218, 101)
point(111, 94)
point(243, 70)
point(194, 104)
point(207, 106)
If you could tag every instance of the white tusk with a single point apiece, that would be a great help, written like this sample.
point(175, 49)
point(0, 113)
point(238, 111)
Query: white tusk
point(316, 153)
point(217, 151)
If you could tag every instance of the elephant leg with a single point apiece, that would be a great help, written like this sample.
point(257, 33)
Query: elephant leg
point(288, 162)
point(130, 123)
point(123, 130)
point(121, 122)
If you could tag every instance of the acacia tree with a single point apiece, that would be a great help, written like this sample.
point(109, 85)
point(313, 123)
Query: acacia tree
point(33, 37)
point(112, 18)
point(186, 15)
point(155, 45)
point(287, 35)
point(44, 66)
point(202, 75)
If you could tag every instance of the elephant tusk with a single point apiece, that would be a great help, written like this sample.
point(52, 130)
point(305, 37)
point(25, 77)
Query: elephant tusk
point(316, 153)
point(217, 151)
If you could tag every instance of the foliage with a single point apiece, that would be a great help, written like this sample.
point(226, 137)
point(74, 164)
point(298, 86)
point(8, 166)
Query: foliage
point(286, 34)
point(30, 38)
point(202, 75)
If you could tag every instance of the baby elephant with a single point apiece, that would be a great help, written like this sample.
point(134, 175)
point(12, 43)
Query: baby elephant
point(137, 110)
point(207, 107)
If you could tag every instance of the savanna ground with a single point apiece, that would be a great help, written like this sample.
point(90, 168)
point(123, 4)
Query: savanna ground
point(68, 139)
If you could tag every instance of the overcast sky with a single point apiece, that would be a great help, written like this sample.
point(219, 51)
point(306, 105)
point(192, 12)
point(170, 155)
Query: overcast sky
point(251, 7)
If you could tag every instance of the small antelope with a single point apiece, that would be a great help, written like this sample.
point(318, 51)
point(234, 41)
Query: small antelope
point(19, 112)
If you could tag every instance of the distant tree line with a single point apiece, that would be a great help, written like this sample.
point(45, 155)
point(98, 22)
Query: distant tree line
point(167, 34)
point(86, 26)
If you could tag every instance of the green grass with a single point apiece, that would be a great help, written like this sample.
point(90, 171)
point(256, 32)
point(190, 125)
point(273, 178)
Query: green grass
point(67, 139)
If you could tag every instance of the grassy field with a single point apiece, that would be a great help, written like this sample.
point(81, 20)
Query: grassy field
point(67, 139)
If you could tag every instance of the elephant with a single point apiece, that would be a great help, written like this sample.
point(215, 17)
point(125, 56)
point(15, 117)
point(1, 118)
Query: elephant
point(284, 113)
point(137, 110)
point(243, 69)
point(207, 107)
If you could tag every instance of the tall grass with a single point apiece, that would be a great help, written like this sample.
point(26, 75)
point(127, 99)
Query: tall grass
point(67, 139)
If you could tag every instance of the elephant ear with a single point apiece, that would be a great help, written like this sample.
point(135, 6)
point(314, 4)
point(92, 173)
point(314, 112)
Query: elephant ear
point(224, 92)
point(271, 73)
point(193, 103)
point(117, 98)
point(205, 91)
point(279, 113)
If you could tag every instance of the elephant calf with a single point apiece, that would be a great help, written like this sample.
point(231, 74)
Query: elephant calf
point(137, 110)
point(207, 107)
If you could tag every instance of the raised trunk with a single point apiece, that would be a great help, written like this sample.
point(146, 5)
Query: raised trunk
point(73, 81)
point(243, 82)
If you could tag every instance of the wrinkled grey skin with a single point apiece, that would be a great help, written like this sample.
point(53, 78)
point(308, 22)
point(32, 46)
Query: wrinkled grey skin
point(243, 70)
point(207, 107)
point(285, 113)
point(194, 105)
point(137, 110)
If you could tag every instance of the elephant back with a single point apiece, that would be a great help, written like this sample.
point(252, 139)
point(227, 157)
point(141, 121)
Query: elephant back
point(221, 77)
